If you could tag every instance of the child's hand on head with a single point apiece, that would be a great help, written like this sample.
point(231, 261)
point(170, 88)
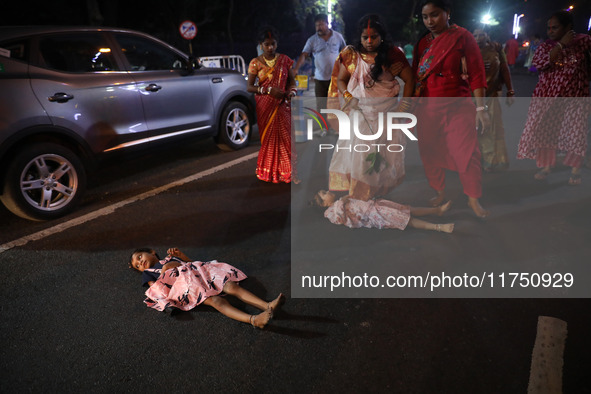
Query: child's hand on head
point(174, 252)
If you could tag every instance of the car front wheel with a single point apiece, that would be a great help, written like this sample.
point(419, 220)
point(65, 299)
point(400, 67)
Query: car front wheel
point(234, 132)
point(43, 182)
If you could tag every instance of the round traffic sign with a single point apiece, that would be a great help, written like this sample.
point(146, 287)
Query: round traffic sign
point(188, 30)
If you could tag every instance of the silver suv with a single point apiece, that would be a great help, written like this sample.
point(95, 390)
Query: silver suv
point(71, 96)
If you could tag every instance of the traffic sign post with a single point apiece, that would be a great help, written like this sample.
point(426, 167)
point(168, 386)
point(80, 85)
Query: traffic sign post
point(188, 30)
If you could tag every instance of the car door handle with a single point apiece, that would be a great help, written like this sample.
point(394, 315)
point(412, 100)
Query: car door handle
point(60, 97)
point(217, 80)
point(153, 87)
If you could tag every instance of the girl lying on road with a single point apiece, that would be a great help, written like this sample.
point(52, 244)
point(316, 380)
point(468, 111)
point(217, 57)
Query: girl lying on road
point(178, 282)
point(378, 213)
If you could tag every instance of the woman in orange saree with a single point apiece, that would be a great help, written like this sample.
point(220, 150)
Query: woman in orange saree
point(270, 77)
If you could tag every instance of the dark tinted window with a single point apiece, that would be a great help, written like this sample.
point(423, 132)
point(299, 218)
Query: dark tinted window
point(147, 55)
point(17, 49)
point(77, 53)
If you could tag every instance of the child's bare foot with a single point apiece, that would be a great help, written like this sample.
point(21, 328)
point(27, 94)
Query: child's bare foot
point(443, 208)
point(438, 199)
point(477, 208)
point(276, 303)
point(261, 320)
point(445, 228)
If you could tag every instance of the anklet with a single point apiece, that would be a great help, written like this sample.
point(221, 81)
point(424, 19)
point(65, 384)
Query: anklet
point(252, 321)
point(438, 227)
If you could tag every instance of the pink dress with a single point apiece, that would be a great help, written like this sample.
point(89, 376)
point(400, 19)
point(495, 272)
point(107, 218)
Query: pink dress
point(190, 284)
point(377, 213)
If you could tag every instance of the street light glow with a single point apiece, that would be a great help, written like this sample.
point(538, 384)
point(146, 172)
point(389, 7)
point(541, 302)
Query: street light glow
point(486, 19)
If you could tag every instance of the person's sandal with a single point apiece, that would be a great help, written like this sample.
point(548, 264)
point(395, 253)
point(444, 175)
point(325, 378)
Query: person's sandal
point(575, 179)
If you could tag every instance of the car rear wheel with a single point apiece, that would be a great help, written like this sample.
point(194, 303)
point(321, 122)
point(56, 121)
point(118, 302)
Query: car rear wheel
point(43, 182)
point(234, 127)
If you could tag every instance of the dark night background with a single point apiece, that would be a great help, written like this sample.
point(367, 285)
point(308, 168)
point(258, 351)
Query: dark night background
point(229, 26)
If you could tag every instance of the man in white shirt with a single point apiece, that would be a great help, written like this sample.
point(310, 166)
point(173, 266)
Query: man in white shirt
point(325, 46)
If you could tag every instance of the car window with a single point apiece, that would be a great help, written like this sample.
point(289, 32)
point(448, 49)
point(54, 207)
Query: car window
point(16, 49)
point(147, 55)
point(77, 53)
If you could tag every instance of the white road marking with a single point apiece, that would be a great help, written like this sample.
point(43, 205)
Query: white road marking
point(111, 208)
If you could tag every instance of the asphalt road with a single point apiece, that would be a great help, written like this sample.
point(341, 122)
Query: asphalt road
point(73, 318)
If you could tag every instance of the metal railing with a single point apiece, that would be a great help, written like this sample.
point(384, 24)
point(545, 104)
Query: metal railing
point(233, 62)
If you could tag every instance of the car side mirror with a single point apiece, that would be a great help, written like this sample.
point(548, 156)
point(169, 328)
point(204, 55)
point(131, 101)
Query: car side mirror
point(191, 64)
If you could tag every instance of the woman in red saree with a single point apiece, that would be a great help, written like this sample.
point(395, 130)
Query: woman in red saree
point(448, 64)
point(271, 78)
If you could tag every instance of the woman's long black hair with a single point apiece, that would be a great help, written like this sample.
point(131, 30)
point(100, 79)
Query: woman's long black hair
point(374, 21)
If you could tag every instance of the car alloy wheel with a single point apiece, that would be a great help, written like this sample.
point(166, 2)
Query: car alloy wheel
point(234, 127)
point(44, 182)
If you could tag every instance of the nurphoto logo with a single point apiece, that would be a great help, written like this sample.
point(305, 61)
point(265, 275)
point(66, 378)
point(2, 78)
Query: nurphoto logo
point(392, 121)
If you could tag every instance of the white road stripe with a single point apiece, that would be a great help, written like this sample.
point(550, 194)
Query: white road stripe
point(111, 208)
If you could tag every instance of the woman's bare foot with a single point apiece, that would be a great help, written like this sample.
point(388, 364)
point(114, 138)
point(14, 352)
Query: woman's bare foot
point(261, 320)
point(445, 228)
point(277, 302)
point(575, 177)
point(542, 174)
point(438, 199)
point(477, 208)
point(443, 208)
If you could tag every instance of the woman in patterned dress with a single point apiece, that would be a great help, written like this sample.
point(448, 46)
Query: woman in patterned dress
point(178, 282)
point(271, 79)
point(378, 213)
point(559, 125)
point(364, 78)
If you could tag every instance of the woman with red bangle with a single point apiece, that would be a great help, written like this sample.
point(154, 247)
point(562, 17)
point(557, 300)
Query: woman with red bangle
point(271, 79)
point(364, 76)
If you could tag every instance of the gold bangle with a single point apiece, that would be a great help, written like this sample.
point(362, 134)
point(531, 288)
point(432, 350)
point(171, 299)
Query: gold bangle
point(347, 95)
point(404, 104)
